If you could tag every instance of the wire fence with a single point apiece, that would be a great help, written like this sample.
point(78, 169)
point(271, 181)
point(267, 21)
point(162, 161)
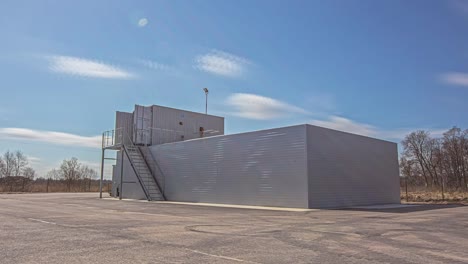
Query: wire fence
point(413, 192)
point(23, 184)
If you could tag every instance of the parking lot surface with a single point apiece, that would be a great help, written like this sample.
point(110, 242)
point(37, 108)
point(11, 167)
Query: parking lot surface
point(80, 228)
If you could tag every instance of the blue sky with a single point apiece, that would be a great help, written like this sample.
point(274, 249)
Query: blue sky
point(377, 68)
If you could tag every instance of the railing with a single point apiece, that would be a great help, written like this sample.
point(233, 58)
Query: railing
point(112, 138)
point(149, 136)
point(208, 133)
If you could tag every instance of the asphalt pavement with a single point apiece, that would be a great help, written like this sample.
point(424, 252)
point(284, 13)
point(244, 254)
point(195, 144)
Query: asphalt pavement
point(81, 228)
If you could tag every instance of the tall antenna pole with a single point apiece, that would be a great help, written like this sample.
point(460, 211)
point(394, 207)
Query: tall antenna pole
point(206, 100)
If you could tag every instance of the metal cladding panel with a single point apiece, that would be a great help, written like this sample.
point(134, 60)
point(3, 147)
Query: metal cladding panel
point(172, 125)
point(349, 170)
point(258, 168)
point(123, 127)
point(142, 117)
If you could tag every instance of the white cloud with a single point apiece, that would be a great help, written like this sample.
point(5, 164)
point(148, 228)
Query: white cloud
point(222, 63)
point(33, 159)
point(350, 126)
point(142, 22)
point(155, 65)
point(346, 125)
point(53, 137)
point(455, 78)
point(87, 68)
point(254, 106)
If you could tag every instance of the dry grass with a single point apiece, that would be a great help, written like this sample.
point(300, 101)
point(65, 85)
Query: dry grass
point(435, 197)
point(53, 186)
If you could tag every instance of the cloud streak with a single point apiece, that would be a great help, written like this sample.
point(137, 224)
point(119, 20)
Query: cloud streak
point(346, 125)
point(350, 126)
point(52, 137)
point(87, 68)
point(252, 106)
point(155, 65)
point(455, 78)
point(222, 63)
point(256, 107)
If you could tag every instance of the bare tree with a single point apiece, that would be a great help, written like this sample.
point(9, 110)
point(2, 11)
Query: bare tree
point(70, 170)
point(28, 177)
point(9, 163)
point(440, 162)
point(19, 163)
point(418, 147)
point(55, 174)
point(87, 174)
point(29, 173)
point(2, 167)
point(76, 175)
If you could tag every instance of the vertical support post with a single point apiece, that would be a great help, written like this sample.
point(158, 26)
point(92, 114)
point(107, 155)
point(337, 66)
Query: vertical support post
point(443, 196)
point(406, 188)
point(121, 173)
point(102, 173)
point(206, 100)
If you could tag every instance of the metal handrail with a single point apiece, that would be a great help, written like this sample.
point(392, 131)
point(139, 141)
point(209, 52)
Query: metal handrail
point(112, 138)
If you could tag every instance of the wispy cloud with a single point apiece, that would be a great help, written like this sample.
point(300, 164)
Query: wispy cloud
point(33, 159)
point(455, 78)
point(87, 68)
point(53, 137)
point(350, 126)
point(155, 65)
point(346, 125)
point(142, 22)
point(222, 63)
point(254, 106)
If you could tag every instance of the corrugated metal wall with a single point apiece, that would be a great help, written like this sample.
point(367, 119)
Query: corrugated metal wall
point(172, 124)
point(123, 127)
point(142, 124)
point(258, 168)
point(349, 170)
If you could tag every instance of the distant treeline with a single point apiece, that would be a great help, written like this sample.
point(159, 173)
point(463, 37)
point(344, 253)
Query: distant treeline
point(71, 176)
point(436, 162)
point(23, 184)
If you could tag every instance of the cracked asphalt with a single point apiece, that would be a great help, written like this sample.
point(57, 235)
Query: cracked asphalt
point(80, 228)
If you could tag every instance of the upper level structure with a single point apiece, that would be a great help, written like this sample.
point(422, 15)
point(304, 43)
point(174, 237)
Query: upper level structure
point(153, 125)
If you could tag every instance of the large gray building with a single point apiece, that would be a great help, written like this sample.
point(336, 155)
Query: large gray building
point(301, 166)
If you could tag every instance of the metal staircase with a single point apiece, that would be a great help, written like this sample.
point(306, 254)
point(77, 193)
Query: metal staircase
point(153, 166)
point(148, 182)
